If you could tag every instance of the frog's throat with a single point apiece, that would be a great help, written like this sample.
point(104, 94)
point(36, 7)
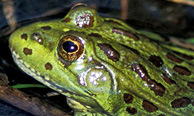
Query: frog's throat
point(36, 75)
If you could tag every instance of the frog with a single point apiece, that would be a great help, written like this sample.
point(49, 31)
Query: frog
point(105, 67)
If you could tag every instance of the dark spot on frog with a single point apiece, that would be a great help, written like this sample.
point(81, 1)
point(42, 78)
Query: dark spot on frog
point(110, 52)
point(128, 98)
point(48, 66)
point(156, 60)
point(153, 85)
point(173, 58)
point(167, 80)
point(125, 33)
point(133, 50)
point(85, 20)
point(37, 37)
point(182, 70)
point(112, 21)
point(27, 51)
point(131, 110)
point(191, 85)
point(46, 28)
point(187, 57)
point(66, 20)
point(148, 106)
point(180, 102)
point(95, 35)
point(24, 36)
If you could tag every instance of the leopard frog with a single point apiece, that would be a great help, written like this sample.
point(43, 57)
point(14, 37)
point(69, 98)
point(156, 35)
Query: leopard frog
point(105, 67)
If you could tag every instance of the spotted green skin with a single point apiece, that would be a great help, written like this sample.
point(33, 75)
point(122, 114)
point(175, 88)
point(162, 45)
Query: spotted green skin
point(105, 95)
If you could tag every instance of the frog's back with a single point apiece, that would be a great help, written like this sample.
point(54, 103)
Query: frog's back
point(158, 79)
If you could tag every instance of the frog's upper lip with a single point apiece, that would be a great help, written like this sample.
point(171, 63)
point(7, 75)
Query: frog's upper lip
point(36, 75)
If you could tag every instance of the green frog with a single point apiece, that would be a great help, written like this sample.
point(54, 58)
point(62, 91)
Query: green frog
point(105, 67)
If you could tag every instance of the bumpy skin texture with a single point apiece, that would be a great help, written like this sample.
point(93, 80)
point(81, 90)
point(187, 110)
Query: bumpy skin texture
point(105, 67)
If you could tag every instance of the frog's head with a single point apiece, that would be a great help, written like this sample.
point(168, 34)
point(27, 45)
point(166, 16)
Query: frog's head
point(61, 55)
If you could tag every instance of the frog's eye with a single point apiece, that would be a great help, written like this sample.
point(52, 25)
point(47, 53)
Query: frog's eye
point(70, 48)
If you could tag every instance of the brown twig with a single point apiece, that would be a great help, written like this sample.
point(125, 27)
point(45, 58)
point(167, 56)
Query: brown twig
point(27, 103)
point(124, 5)
point(187, 2)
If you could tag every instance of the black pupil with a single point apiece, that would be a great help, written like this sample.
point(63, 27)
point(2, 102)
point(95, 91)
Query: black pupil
point(69, 46)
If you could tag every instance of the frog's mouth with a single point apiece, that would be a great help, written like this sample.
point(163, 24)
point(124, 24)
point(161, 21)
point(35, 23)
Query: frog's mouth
point(36, 75)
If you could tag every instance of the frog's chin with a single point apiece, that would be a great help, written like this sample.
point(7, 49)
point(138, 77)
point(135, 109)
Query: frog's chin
point(36, 75)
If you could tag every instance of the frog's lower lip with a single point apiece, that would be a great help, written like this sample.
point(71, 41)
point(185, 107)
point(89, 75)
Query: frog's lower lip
point(36, 75)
